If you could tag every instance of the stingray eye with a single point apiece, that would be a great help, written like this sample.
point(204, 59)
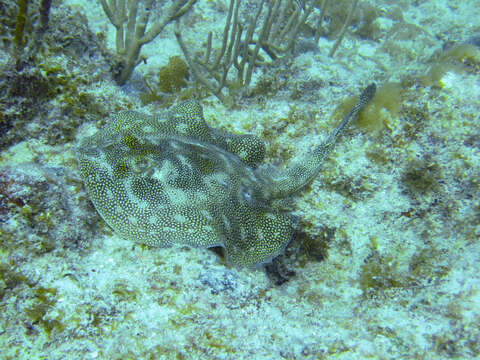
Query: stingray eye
point(246, 196)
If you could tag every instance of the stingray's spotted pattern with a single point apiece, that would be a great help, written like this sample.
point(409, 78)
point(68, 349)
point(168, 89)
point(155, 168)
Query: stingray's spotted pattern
point(172, 179)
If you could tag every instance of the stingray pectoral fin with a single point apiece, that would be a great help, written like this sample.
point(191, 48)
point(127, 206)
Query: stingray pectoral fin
point(183, 226)
point(261, 239)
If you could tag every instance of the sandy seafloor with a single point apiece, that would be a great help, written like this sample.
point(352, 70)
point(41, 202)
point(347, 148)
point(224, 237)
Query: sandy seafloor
point(400, 204)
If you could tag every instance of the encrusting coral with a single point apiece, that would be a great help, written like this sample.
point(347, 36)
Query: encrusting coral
point(172, 77)
point(172, 179)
